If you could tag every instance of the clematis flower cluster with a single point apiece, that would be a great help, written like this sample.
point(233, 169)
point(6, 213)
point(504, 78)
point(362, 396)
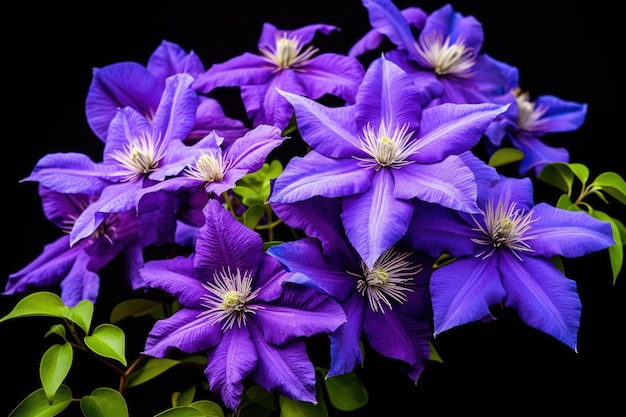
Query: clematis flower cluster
point(389, 230)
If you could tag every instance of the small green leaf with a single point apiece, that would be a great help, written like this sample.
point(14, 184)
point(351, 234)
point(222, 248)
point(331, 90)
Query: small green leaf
point(81, 314)
point(57, 329)
point(559, 175)
point(36, 404)
point(150, 368)
point(565, 203)
point(54, 367)
point(434, 355)
point(135, 307)
point(109, 341)
point(41, 303)
point(209, 408)
point(581, 171)
point(613, 184)
point(104, 402)
point(616, 250)
point(346, 392)
point(293, 408)
point(181, 398)
point(181, 412)
point(253, 215)
point(505, 156)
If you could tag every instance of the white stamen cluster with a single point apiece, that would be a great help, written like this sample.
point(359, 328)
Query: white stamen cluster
point(229, 297)
point(208, 168)
point(388, 280)
point(446, 58)
point(140, 155)
point(288, 53)
point(504, 226)
point(528, 116)
point(387, 149)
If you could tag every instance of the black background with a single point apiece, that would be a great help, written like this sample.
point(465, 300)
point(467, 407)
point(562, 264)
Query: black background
point(570, 51)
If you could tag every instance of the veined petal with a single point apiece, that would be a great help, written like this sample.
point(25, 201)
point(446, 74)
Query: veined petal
point(542, 296)
point(246, 69)
point(72, 173)
point(302, 312)
point(387, 19)
point(250, 151)
point(345, 348)
point(388, 94)
point(330, 131)
point(177, 277)
point(375, 220)
point(450, 129)
point(537, 154)
point(225, 242)
point(449, 183)
point(334, 74)
point(169, 59)
point(316, 175)
point(80, 283)
point(176, 114)
point(464, 290)
point(560, 115)
point(230, 363)
point(182, 330)
point(285, 369)
point(123, 84)
point(387, 336)
point(566, 233)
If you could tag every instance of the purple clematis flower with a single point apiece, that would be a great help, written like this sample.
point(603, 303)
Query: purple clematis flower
point(381, 153)
point(210, 171)
point(76, 267)
point(388, 304)
point(503, 255)
point(286, 61)
point(244, 309)
point(137, 151)
point(131, 84)
point(445, 59)
point(526, 122)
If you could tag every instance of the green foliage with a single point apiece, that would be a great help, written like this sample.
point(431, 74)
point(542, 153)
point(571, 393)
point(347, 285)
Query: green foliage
point(104, 402)
point(109, 341)
point(37, 404)
point(563, 176)
point(346, 392)
point(54, 366)
point(504, 156)
point(135, 307)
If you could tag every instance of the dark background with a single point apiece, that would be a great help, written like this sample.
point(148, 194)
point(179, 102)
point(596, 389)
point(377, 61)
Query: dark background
point(567, 50)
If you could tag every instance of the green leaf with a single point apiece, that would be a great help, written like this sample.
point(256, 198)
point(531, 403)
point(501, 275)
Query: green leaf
point(565, 203)
point(54, 366)
point(346, 392)
point(148, 369)
point(293, 408)
point(57, 329)
point(559, 175)
point(260, 396)
point(104, 402)
point(613, 184)
point(182, 412)
point(81, 314)
point(616, 250)
point(505, 156)
point(181, 398)
point(209, 408)
point(41, 303)
point(581, 171)
point(37, 405)
point(434, 355)
point(253, 215)
point(109, 341)
point(135, 307)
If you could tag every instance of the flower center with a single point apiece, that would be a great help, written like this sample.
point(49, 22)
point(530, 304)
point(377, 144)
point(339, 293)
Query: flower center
point(229, 298)
point(528, 116)
point(504, 226)
point(386, 149)
point(287, 53)
point(388, 280)
point(447, 58)
point(208, 168)
point(139, 156)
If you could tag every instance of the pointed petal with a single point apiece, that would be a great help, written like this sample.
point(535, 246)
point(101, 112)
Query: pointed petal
point(245, 69)
point(375, 220)
point(543, 297)
point(225, 242)
point(169, 59)
point(567, 233)
point(315, 175)
point(176, 114)
point(449, 183)
point(250, 151)
point(387, 19)
point(345, 348)
point(177, 277)
point(451, 129)
point(334, 74)
point(285, 369)
point(229, 364)
point(80, 283)
point(463, 291)
point(537, 154)
point(388, 337)
point(182, 330)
